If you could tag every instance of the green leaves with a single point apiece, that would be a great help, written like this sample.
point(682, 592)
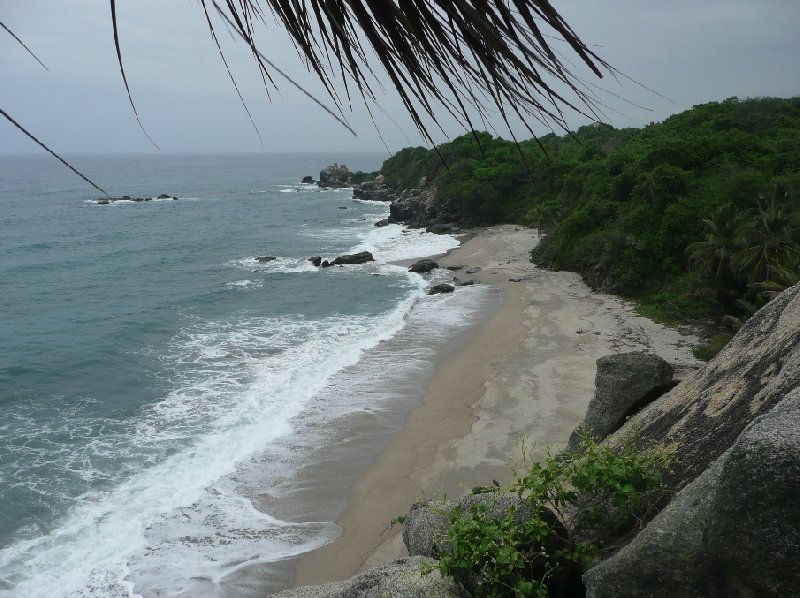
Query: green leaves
point(597, 487)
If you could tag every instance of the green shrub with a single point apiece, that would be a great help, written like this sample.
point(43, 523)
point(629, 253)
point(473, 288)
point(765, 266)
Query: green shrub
point(599, 488)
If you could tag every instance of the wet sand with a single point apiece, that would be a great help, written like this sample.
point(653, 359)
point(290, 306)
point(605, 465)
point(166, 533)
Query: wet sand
point(527, 372)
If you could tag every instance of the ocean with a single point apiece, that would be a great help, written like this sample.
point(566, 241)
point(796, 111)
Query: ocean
point(164, 394)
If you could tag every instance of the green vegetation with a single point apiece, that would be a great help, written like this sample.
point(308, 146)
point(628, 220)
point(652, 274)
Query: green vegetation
point(692, 217)
point(597, 488)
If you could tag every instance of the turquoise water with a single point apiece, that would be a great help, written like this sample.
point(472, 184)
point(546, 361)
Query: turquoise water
point(146, 358)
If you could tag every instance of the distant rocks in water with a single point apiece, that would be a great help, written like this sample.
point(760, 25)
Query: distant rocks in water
point(104, 201)
point(325, 264)
point(380, 223)
point(342, 207)
point(334, 176)
point(315, 260)
point(441, 288)
point(354, 258)
point(265, 258)
point(307, 179)
point(423, 266)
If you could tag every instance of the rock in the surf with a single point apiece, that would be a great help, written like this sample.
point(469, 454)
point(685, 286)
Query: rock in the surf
point(423, 266)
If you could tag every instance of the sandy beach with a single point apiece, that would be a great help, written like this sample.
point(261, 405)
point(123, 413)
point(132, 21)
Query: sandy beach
point(527, 372)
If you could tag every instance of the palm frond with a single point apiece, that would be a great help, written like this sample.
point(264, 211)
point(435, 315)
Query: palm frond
point(21, 43)
point(55, 155)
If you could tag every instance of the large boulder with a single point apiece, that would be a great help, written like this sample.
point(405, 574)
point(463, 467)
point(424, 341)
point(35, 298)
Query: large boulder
point(361, 257)
point(396, 579)
point(439, 289)
point(702, 417)
point(334, 176)
point(624, 383)
point(374, 190)
point(734, 531)
point(422, 266)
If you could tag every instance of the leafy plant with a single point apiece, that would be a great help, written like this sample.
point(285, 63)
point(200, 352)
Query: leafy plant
point(599, 488)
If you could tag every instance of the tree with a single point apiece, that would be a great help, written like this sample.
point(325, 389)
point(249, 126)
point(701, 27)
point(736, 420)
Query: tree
point(459, 56)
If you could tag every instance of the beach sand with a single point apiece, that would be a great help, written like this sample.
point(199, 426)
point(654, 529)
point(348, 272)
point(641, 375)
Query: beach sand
point(527, 372)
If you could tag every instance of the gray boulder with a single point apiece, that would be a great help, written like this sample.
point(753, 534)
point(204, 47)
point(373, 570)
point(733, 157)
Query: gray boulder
point(334, 176)
point(396, 579)
point(734, 531)
point(308, 179)
point(361, 257)
point(423, 266)
point(265, 258)
point(440, 288)
point(381, 223)
point(623, 384)
point(315, 260)
point(702, 417)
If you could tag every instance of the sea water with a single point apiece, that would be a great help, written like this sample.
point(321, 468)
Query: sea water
point(161, 388)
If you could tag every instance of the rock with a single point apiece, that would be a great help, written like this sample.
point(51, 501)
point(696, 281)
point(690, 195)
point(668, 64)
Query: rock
point(342, 207)
point(355, 258)
point(174, 198)
point(454, 268)
point(473, 270)
point(315, 260)
point(374, 190)
point(265, 258)
point(334, 176)
point(325, 264)
point(381, 223)
point(440, 288)
point(733, 531)
point(731, 323)
point(126, 198)
point(164, 196)
point(439, 229)
point(465, 283)
point(422, 266)
point(148, 198)
point(307, 179)
point(102, 202)
point(402, 578)
point(624, 383)
point(137, 199)
point(702, 417)
point(426, 524)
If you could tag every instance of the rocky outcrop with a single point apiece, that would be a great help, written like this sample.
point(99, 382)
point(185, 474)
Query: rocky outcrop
point(423, 266)
point(334, 176)
point(265, 258)
point(354, 258)
point(624, 383)
point(702, 417)
point(734, 531)
point(307, 179)
point(374, 190)
point(104, 201)
point(402, 578)
point(315, 260)
point(438, 289)
point(381, 223)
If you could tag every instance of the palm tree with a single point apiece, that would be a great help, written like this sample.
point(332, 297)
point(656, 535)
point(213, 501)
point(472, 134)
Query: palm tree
point(724, 238)
point(459, 56)
point(771, 251)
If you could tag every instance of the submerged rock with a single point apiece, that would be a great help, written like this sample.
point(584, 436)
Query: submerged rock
point(308, 179)
point(380, 223)
point(315, 260)
point(265, 258)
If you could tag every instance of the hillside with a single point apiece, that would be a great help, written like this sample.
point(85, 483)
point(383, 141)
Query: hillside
point(695, 216)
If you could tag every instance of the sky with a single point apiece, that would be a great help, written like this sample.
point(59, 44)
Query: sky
point(676, 54)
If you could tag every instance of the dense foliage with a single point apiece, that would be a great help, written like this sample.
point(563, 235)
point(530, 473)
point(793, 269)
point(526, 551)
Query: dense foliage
point(596, 488)
point(696, 215)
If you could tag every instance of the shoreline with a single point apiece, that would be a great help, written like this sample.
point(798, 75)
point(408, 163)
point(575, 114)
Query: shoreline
point(527, 371)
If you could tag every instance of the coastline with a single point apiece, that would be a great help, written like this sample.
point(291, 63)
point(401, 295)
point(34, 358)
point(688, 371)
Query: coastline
point(526, 372)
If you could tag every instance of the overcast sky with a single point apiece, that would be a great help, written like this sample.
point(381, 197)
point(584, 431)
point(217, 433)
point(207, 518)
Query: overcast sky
point(689, 51)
